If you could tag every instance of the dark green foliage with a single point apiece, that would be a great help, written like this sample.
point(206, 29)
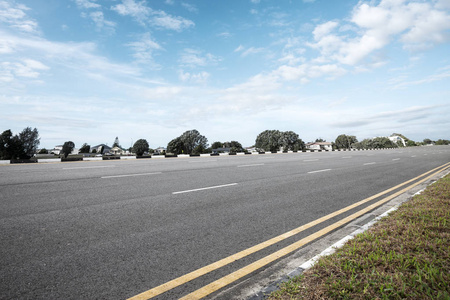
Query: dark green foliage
point(274, 140)
point(345, 141)
point(375, 143)
point(67, 148)
point(85, 148)
point(9, 145)
point(216, 145)
point(410, 143)
point(189, 142)
point(175, 146)
point(30, 141)
point(140, 147)
point(43, 151)
point(442, 142)
point(22, 146)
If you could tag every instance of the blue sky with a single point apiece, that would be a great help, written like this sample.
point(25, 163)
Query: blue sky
point(91, 70)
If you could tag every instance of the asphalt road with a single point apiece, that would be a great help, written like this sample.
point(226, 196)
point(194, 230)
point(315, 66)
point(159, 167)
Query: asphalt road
point(113, 229)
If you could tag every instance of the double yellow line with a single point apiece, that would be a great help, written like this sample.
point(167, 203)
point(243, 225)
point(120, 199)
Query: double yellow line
point(224, 281)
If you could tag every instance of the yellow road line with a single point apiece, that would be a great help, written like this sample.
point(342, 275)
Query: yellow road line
point(224, 281)
point(223, 262)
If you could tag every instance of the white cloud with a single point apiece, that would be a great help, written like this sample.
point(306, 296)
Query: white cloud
point(146, 15)
point(190, 7)
point(144, 48)
point(402, 83)
point(77, 57)
point(27, 68)
point(225, 34)
point(307, 71)
point(252, 51)
point(165, 21)
point(196, 58)
point(138, 10)
point(239, 48)
point(14, 15)
point(101, 23)
point(415, 24)
point(87, 4)
point(405, 115)
point(199, 78)
point(324, 29)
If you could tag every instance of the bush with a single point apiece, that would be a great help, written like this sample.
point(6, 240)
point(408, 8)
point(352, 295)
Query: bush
point(140, 147)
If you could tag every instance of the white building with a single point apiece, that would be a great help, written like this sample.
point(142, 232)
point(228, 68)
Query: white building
point(57, 150)
point(327, 146)
point(395, 139)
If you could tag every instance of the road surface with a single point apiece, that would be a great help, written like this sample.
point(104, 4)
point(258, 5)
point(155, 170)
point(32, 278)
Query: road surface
point(114, 229)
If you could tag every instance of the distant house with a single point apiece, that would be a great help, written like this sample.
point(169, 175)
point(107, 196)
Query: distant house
point(250, 149)
point(58, 149)
point(97, 148)
point(160, 150)
point(327, 146)
point(117, 150)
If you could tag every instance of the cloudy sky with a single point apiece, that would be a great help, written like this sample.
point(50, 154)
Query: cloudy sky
point(91, 70)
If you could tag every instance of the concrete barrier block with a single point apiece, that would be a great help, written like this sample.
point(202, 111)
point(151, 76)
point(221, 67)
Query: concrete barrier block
point(49, 160)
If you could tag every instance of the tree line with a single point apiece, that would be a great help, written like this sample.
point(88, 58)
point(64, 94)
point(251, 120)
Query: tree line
point(24, 145)
point(19, 146)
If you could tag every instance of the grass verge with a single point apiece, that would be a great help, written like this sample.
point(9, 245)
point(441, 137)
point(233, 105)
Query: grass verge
point(405, 255)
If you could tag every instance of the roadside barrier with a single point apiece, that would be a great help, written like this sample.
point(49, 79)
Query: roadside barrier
point(50, 160)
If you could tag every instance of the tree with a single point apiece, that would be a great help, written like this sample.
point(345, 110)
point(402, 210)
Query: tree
point(140, 147)
point(410, 143)
point(291, 141)
point(375, 143)
point(268, 140)
point(43, 151)
point(427, 141)
point(85, 148)
point(199, 149)
point(67, 148)
point(187, 142)
point(216, 145)
point(273, 140)
point(175, 146)
point(30, 141)
point(442, 142)
point(192, 139)
point(24, 145)
point(116, 143)
point(345, 141)
point(320, 140)
point(10, 146)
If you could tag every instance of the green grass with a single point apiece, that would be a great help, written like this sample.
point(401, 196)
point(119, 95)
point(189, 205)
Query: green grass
point(404, 256)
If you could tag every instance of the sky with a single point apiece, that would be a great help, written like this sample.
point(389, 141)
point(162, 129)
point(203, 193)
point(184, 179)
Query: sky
point(89, 71)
